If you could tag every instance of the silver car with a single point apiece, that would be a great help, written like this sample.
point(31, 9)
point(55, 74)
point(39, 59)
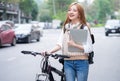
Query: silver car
point(26, 33)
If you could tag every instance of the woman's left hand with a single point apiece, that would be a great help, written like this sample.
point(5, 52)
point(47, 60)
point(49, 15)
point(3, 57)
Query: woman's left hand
point(71, 43)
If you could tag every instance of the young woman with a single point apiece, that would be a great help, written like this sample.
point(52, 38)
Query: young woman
point(77, 65)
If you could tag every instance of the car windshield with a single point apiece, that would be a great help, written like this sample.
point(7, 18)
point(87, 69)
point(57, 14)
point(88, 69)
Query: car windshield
point(23, 28)
point(113, 23)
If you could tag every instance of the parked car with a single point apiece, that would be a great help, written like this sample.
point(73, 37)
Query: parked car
point(8, 22)
point(41, 26)
point(7, 35)
point(38, 25)
point(112, 26)
point(27, 33)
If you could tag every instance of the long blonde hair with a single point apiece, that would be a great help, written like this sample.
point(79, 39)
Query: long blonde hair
point(81, 15)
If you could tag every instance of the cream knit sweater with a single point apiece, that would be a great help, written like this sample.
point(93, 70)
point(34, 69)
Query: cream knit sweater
point(64, 38)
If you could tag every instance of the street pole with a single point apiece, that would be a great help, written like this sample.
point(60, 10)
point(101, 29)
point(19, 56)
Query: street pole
point(19, 14)
point(19, 18)
point(5, 11)
point(54, 9)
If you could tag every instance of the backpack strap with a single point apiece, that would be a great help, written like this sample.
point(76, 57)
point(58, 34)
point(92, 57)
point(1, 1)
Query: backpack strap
point(92, 36)
point(82, 27)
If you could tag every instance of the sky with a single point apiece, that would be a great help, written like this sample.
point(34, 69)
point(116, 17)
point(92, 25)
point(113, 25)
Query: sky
point(90, 1)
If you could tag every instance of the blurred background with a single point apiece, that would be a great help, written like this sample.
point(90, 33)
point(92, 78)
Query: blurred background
point(25, 11)
point(35, 25)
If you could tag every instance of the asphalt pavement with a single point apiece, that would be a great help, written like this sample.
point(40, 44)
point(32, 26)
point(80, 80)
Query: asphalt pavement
point(15, 66)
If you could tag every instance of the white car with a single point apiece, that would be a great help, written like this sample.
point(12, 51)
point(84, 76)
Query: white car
point(112, 26)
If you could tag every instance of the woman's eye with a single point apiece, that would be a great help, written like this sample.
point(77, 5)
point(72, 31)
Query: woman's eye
point(69, 10)
point(74, 10)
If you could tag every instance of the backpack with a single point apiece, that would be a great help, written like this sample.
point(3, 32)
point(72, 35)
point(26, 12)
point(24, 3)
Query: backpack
point(91, 54)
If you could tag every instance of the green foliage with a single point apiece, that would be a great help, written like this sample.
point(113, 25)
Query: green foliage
point(26, 6)
point(29, 7)
point(101, 10)
point(34, 11)
point(58, 9)
point(44, 13)
point(99, 25)
point(45, 18)
point(61, 16)
point(104, 10)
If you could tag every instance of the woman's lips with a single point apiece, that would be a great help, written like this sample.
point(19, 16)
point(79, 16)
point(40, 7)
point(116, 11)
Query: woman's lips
point(71, 15)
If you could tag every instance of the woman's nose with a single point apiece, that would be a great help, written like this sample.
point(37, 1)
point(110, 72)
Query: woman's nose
point(71, 11)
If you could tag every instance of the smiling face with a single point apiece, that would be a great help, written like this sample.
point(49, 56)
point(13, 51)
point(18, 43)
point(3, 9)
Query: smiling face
point(73, 14)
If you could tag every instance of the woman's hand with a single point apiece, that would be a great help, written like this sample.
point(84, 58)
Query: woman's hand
point(45, 52)
point(71, 43)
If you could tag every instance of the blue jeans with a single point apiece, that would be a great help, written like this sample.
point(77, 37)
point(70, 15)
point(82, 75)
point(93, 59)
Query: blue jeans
point(76, 69)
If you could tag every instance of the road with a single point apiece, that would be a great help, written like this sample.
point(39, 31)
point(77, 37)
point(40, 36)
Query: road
point(14, 66)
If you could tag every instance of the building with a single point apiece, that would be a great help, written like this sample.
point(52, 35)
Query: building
point(10, 11)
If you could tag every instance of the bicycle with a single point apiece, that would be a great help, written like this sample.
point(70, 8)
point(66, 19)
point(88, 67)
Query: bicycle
point(46, 68)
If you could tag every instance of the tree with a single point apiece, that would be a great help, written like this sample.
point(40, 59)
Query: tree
point(29, 7)
point(60, 8)
point(34, 11)
point(100, 10)
point(26, 6)
point(105, 9)
point(116, 5)
point(44, 13)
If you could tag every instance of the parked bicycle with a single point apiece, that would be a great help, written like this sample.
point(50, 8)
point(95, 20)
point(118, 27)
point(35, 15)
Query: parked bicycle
point(46, 68)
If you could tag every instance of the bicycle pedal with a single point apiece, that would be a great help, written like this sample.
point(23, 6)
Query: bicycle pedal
point(42, 77)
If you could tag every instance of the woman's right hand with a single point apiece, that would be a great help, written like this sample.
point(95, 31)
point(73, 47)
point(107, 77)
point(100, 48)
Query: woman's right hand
point(45, 53)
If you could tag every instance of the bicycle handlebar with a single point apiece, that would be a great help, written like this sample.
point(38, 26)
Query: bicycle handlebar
point(52, 55)
point(31, 52)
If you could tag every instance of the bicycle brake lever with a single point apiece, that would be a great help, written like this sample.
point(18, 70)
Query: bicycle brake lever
point(33, 54)
point(56, 57)
point(26, 52)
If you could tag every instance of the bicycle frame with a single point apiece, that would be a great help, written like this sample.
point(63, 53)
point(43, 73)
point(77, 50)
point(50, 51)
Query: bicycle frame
point(46, 68)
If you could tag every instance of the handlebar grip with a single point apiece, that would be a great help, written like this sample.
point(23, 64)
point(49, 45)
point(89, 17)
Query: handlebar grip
point(26, 52)
point(31, 53)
